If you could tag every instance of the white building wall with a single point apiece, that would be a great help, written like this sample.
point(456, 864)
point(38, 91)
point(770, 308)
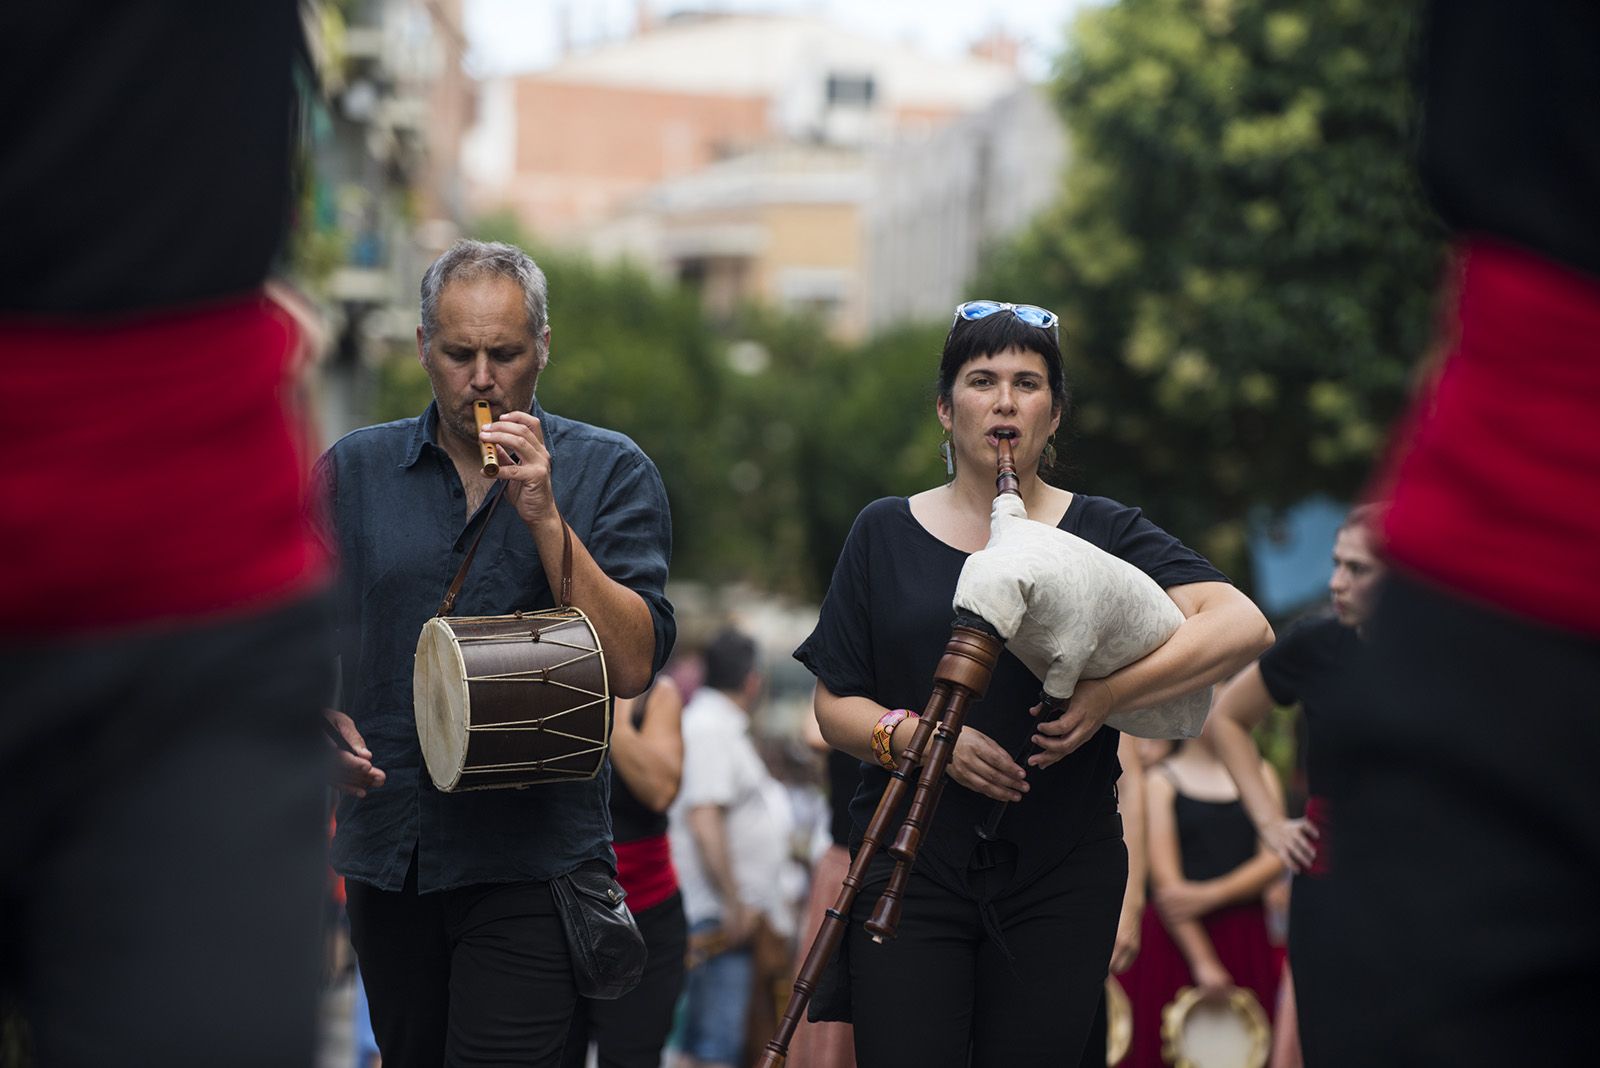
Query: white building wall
point(940, 201)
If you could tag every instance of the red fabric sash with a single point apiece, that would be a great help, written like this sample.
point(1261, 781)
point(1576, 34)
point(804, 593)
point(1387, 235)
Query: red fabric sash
point(154, 469)
point(1495, 481)
point(644, 868)
point(1318, 815)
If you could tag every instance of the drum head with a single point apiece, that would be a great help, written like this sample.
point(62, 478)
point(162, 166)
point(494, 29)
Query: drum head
point(440, 695)
point(1220, 1031)
point(1119, 1022)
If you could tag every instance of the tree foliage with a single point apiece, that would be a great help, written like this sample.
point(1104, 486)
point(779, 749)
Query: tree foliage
point(1240, 256)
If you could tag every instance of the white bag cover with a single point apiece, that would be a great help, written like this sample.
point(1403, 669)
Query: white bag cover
point(1069, 610)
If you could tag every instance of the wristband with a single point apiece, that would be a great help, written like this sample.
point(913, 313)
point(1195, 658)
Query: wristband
point(883, 733)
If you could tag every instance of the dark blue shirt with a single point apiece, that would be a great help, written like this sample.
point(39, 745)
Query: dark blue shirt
point(397, 511)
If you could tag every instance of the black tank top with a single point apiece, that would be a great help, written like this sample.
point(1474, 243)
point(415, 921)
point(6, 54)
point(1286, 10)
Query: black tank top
point(1214, 837)
point(632, 819)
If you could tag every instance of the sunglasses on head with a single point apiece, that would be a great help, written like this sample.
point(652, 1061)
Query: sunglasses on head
point(1031, 314)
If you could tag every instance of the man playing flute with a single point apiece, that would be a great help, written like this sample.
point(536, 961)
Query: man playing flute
point(451, 911)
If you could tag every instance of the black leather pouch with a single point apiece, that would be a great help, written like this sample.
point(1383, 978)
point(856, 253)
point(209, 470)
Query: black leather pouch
point(608, 952)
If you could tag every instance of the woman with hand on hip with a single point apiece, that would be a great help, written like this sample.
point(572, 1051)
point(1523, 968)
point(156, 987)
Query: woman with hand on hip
point(1316, 666)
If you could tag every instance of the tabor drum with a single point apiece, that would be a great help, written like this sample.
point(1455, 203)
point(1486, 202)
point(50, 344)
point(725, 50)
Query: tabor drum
point(1220, 1031)
point(509, 701)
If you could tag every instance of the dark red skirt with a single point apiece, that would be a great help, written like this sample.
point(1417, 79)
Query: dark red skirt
point(1239, 934)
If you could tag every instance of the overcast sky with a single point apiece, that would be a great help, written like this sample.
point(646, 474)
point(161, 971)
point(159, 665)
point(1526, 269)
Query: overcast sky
point(513, 35)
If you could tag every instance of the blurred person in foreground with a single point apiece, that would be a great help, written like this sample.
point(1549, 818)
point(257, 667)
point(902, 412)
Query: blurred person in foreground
point(162, 777)
point(647, 769)
point(730, 835)
point(1009, 941)
point(1468, 849)
point(451, 912)
point(1316, 666)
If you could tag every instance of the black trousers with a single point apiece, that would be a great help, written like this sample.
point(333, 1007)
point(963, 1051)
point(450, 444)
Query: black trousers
point(1464, 903)
point(479, 975)
point(631, 1031)
point(942, 993)
point(163, 844)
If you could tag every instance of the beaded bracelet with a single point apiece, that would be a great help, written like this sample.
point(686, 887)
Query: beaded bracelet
point(883, 733)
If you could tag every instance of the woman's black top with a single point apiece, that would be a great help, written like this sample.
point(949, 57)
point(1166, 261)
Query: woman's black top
point(1214, 837)
point(882, 629)
point(844, 772)
point(632, 819)
point(1315, 666)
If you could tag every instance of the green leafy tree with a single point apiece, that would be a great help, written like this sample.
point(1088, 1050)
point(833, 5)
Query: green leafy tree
point(1241, 257)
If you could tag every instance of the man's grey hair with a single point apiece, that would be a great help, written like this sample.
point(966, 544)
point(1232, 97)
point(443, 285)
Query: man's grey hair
point(468, 261)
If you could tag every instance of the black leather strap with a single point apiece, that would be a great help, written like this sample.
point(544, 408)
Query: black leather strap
point(565, 589)
point(449, 601)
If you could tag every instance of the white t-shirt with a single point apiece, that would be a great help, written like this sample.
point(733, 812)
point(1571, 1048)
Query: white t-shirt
point(721, 767)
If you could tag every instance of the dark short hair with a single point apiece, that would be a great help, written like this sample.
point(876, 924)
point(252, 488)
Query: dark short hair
point(971, 338)
point(730, 657)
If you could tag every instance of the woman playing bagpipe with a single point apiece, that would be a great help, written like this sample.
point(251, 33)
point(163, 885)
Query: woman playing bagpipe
point(1004, 940)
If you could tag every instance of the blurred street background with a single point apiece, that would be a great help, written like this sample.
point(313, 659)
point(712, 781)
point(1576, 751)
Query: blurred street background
point(756, 218)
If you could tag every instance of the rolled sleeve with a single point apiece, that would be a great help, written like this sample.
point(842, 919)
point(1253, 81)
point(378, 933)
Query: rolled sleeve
point(631, 541)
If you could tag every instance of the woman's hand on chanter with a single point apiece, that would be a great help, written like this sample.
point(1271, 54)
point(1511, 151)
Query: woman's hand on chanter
point(981, 765)
point(1086, 713)
point(1293, 840)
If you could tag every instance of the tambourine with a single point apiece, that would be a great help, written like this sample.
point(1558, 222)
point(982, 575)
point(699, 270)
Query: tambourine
point(1119, 1022)
point(1227, 1030)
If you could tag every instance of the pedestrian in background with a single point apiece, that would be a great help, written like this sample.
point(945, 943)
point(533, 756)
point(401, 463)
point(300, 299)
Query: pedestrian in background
point(647, 768)
point(730, 838)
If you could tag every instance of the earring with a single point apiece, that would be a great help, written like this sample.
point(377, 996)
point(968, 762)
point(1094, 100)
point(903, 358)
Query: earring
point(1049, 455)
point(948, 455)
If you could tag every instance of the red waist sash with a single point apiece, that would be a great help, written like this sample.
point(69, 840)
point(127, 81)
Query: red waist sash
point(644, 868)
point(155, 469)
point(1495, 481)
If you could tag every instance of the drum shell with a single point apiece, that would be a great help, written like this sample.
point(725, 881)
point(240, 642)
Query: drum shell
point(511, 701)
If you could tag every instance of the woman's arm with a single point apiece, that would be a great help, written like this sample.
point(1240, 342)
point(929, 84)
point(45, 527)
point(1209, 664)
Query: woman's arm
point(1166, 871)
point(1131, 804)
point(979, 763)
point(650, 758)
point(1240, 708)
point(1247, 882)
point(1222, 631)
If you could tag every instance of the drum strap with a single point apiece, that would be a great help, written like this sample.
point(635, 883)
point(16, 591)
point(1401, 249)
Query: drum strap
point(449, 601)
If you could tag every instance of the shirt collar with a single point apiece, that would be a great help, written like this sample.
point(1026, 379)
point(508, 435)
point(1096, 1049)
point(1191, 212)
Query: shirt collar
point(426, 432)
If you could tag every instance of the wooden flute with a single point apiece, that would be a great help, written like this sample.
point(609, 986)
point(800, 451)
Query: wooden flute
point(491, 460)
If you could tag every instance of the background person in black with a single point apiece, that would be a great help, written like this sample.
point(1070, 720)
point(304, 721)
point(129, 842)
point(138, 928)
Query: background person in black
point(1051, 893)
point(647, 767)
point(1314, 666)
